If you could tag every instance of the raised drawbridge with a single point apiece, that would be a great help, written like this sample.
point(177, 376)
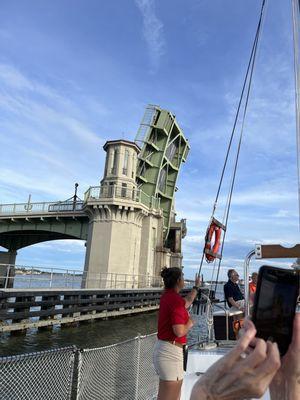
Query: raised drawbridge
point(164, 148)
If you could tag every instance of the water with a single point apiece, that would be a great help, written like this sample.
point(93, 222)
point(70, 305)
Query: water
point(91, 334)
point(85, 335)
point(45, 280)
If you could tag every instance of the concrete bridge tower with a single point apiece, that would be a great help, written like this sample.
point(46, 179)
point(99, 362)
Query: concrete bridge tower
point(119, 217)
point(128, 221)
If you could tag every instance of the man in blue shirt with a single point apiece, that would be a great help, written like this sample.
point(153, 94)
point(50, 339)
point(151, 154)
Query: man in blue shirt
point(232, 292)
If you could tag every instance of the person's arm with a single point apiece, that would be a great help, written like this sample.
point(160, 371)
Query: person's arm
point(286, 383)
point(181, 329)
point(190, 297)
point(241, 373)
point(181, 323)
point(234, 303)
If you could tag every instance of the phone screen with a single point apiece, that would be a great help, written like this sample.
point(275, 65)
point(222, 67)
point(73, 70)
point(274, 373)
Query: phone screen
point(274, 306)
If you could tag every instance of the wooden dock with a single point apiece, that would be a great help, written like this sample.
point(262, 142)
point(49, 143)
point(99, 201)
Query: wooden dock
point(22, 309)
point(37, 308)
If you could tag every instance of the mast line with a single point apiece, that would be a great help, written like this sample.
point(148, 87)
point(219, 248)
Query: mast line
point(296, 34)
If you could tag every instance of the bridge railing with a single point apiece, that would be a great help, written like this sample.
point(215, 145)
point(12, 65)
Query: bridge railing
point(121, 281)
point(93, 193)
point(38, 208)
point(117, 191)
point(24, 277)
point(111, 191)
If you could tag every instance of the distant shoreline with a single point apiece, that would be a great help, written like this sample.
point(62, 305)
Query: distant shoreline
point(34, 271)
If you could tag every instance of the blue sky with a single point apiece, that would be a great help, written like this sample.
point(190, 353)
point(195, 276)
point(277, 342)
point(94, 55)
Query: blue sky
point(74, 74)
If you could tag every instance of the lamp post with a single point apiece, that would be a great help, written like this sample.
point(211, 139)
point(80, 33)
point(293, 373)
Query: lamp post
point(75, 196)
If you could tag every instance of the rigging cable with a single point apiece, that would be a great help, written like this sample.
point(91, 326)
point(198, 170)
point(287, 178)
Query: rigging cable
point(255, 46)
point(296, 16)
point(248, 78)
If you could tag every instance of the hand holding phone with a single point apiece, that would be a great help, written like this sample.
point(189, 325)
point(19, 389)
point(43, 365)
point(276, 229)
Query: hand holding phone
point(285, 384)
point(274, 305)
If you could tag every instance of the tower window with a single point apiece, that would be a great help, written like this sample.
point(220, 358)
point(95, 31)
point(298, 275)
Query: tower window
point(124, 190)
point(113, 169)
point(111, 189)
point(125, 164)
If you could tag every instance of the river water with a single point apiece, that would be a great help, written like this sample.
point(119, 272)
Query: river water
point(97, 333)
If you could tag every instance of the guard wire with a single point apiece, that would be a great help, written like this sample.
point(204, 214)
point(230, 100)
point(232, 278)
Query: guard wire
point(250, 69)
point(296, 16)
point(255, 45)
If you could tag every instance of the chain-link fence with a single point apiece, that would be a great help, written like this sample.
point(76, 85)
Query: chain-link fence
point(122, 371)
point(38, 376)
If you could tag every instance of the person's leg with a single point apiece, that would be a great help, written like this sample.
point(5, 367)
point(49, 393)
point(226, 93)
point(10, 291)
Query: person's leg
point(169, 390)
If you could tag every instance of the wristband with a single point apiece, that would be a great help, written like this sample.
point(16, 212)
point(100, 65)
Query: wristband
point(196, 288)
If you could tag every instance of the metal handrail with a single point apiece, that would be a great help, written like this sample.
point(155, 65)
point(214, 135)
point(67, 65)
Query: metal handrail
point(246, 280)
point(42, 207)
point(93, 193)
point(121, 192)
point(54, 277)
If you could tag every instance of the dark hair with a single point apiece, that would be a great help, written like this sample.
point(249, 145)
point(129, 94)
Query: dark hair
point(170, 276)
point(229, 272)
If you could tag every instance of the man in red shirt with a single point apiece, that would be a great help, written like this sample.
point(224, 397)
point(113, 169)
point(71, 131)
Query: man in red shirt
point(174, 323)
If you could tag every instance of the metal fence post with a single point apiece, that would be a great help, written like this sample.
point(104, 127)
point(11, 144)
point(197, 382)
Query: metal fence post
point(73, 279)
point(67, 276)
point(30, 278)
point(51, 277)
point(7, 277)
point(138, 367)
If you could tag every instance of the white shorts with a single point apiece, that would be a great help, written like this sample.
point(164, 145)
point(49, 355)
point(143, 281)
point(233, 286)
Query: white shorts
point(168, 361)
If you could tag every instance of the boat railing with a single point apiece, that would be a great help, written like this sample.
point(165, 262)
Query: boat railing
point(209, 319)
point(266, 251)
point(227, 315)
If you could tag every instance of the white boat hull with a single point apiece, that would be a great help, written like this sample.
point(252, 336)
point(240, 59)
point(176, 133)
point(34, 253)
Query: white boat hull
point(198, 362)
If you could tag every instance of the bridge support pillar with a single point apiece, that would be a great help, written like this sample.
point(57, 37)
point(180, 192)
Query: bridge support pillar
point(113, 248)
point(7, 269)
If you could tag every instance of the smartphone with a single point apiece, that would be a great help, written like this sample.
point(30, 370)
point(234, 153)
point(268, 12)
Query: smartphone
point(275, 304)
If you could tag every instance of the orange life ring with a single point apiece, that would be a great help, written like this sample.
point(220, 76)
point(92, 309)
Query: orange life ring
point(213, 231)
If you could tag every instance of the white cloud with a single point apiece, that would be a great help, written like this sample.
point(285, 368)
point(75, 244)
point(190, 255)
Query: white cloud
point(19, 98)
point(48, 134)
point(66, 246)
point(10, 76)
point(33, 183)
point(153, 31)
point(47, 116)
